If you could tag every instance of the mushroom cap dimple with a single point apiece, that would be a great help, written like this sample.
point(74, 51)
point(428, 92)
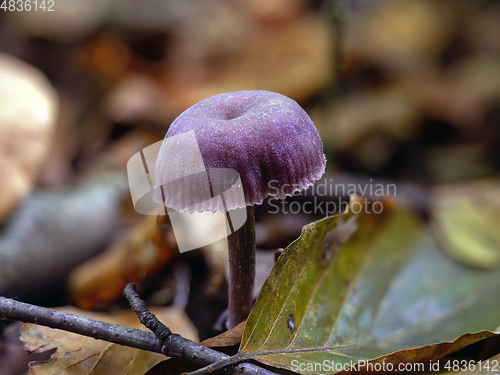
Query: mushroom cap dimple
point(266, 137)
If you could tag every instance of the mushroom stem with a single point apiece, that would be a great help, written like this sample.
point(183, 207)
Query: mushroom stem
point(241, 246)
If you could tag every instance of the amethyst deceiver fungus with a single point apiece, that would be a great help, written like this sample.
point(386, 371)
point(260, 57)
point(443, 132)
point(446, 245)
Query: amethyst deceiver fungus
point(268, 139)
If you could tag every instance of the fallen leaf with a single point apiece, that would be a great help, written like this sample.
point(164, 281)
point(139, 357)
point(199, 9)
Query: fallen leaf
point(53, 231)
point(28, 112)
point(228, 338)
point(294, 59)
point(81, 355)
point(482, 30)
point(106, 55)
point(276, 11)
point(388, 295)
point(402, 36)
point(479, 75)
point(66, 21)
point(465, 219)
point(456, 163)
point(442, 98)
point(134, 98)
point(388, 110)
point(148, 248)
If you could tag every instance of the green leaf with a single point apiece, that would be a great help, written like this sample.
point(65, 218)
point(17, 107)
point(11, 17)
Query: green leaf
point(386, 289)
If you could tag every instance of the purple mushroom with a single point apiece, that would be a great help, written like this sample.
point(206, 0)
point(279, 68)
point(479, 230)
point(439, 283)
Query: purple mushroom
point(252, 144)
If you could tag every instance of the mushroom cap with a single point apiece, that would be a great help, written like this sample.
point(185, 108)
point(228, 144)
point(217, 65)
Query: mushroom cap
point(266, 137)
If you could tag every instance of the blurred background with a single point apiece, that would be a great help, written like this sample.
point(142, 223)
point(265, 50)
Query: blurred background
point(403, 91)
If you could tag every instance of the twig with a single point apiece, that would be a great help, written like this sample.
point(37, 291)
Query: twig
point(148, 319)
point(174, 345)
point(171, 344)
point(114, 333)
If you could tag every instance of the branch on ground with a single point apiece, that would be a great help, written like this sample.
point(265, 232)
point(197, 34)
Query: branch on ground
point(162, 340)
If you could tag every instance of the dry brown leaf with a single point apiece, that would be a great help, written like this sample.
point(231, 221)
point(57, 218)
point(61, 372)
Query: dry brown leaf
point(149, 247)
point(369, 123)
point(106, 55)
point(135, 97)
point(462, 162)
point(228, 338)
point(443, 98)
point(401, 35)
point(66, 20)
point(479, 75)
point(81, 355)
point(275, 11)
point(57, 170)
point(28, 112)
point(482, 28)
point(294, 59)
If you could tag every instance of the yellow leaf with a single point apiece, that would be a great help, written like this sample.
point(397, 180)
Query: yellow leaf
point(465, 219)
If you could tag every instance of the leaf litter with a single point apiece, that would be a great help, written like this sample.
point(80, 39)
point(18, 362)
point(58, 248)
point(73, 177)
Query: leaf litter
point(387, 295)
